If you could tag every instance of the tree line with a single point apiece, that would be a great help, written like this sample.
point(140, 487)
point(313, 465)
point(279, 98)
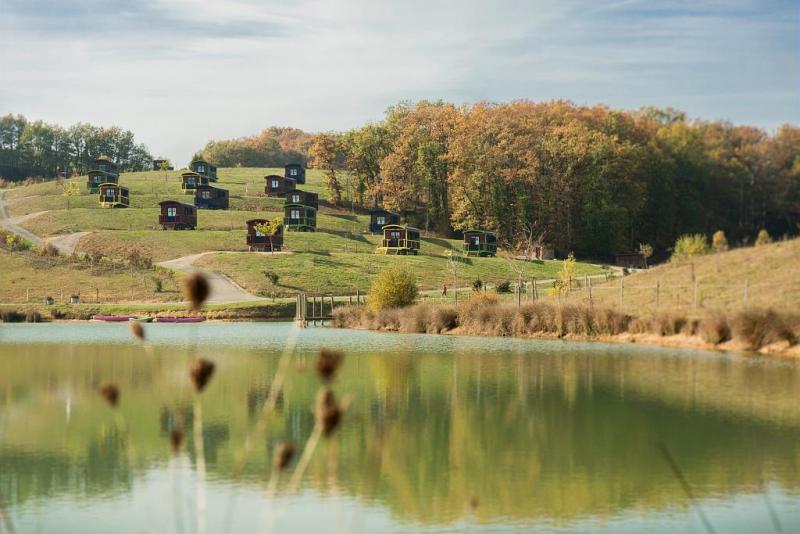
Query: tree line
point(274, 147)
point(583, 179)
point(37, 149)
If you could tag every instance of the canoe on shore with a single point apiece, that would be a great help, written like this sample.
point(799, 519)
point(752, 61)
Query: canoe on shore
point(194, 319)
point(113, 318)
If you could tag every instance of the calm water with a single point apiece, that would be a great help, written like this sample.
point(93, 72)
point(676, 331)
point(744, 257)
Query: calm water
point(444, 434)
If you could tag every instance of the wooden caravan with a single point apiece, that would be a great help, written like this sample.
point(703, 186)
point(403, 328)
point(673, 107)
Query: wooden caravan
point(299, 217)
point(295, 171)
point(480, 243)
point(259, 241)
point(306, 198)
point(204, 168)
point(102, 171)
point(631, 260)
point(177, 215)
point(378, 218)
point(278, 186)
point(114, 196)
point(210, 197)
point(191, 180)
point(399, 239)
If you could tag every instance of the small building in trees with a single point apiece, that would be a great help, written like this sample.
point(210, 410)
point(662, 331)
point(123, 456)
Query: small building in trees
point(114, 196)
point(399, 239)
point(378, 218)
point(260, 240)
point(480, 243)
point(631, 260)
point(211, 198)
point(191, 180)
point(177, 215)
point(204, 168)
point(296, 172)
point(102, 171)
point(278, 186)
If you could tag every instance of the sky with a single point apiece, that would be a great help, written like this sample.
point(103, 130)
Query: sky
point(180, 73)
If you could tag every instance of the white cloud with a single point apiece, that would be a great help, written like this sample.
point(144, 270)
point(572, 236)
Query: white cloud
point(181, 72)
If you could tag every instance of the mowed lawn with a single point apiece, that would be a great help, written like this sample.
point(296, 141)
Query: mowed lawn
point(344, 272)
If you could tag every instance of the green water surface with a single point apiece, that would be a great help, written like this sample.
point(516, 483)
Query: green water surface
point(445, 434)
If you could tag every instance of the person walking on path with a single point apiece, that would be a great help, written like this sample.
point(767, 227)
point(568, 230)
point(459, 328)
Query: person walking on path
point(444, 290)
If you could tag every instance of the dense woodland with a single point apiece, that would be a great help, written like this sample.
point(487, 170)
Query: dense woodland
point(37, 149)
point(274, 147)
point(591, 180)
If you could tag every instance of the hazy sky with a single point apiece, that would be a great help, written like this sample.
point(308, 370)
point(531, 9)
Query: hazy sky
point(182, 72)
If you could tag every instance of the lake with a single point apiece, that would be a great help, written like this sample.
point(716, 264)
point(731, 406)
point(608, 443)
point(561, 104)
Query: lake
point(444, 434)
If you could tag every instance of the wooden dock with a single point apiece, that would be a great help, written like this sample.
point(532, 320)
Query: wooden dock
point(317, 309)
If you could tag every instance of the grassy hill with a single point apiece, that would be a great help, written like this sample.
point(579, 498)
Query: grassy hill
point(338, 258)
point(764, 276)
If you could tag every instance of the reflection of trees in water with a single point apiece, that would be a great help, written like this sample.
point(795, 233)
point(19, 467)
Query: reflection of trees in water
point(532, 436)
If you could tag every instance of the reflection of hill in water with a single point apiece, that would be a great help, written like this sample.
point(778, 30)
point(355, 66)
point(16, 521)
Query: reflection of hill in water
point(548, 436)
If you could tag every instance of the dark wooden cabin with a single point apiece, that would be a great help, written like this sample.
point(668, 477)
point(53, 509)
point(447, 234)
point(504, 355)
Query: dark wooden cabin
point(258, 241)
point(631, 260)
point(306, 198)
point(299, 217)
point(211, 198)
point(177, 215)
point(278, 186)
point(204, 168)
point(114, 196)
point(378, 218)
point(102, 171)
point(296, 172)
point(399, 239)
point(190, 180)
point(480, 243)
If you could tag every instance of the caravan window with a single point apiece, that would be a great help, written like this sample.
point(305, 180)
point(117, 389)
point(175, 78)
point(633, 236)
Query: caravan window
point(274, 184)
point(294, 214)
point(172, 212)
point(380, 220)
point(201, 168)
point(109, 193)
point(293, 172)
point(206, 194)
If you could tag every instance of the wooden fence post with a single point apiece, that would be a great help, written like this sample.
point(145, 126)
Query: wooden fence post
point(696, 293)
point(746, 290)
point(534, 293)
point(27, 294)
point(658, 292)
point(455, 296)
point(589, 288)
point(622, 291)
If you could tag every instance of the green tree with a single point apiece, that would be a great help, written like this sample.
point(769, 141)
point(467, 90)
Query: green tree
point(394, 287)
point(763, 238)
point(719, 242)
point(688, 246)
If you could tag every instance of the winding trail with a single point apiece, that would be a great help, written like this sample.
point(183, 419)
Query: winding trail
point(223, 289)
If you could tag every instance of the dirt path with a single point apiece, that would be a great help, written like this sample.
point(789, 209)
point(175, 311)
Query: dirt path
point(223, 289)
point(12, 227)
point(66, 244)
point(22, 218)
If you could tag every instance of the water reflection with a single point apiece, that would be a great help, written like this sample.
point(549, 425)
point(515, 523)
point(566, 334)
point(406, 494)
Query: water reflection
point(556, 435)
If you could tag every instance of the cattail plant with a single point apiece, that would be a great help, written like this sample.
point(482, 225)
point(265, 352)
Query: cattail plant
point(137, 330)
point(110, 393)
point(200, 374)
point(328, 412)
point(196, 289)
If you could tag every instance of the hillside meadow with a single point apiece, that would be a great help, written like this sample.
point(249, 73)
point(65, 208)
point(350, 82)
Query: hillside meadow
point(338, 258)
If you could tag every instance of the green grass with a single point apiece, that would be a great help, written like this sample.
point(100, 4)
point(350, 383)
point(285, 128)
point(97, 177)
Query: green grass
point(342, 272)
point(338, 258)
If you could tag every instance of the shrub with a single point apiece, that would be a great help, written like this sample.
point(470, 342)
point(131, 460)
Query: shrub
point(477, 285)
point(414, 319)
point(272, 276)
point(688, 246)
point(15, 243)
point(159, 284)
point(33, 317)
point(394, 288)
point(763, 238)
point(444, 318)
point(49, 250)
point(346, 317)
point(503, 287)
point(757, 328)
point(715, 329)
point(719, 243)
point(11, 316)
